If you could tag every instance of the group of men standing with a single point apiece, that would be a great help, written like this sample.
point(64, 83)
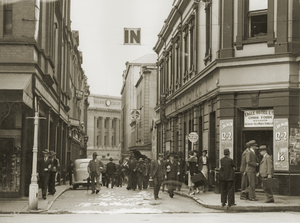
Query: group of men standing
point(251, 169)
point(47, 170)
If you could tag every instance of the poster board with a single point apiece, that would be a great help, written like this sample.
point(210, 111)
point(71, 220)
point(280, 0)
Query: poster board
point(226, 137)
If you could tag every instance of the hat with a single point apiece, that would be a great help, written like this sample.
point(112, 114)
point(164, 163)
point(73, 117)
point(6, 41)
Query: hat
point(110, 159)
point(204, 151)
point(226, 151)
point(263, 147)
point(180, 154)
point(52, 153)
point(252, 143)
point(247, 145)
point(191, 152)
point(95, 154)
point(46, 151)
point(161, 155)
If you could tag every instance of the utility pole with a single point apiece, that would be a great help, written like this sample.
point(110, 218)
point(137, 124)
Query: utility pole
point(33, 187)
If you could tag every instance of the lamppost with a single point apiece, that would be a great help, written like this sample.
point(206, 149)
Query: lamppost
point(85, 139)
point(33, 187)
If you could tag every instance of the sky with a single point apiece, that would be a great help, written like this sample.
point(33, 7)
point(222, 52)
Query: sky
point(101, 26)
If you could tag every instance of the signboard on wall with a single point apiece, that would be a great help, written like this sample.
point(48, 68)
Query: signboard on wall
point(281, 144)
point(226, 137)
point(258, 118)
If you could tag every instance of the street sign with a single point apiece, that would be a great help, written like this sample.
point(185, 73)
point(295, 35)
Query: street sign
point(193, 137)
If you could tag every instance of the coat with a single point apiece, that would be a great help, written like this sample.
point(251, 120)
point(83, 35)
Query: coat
point(111, 168)
point(251, 160)
point(243, 162)
point(227, 169)
point(55, 165)
point(200, 164)
point(44, 167)
point(94, 166)
point(156, 171)
point(192, 165)
point(173, 169)
point(266, 166)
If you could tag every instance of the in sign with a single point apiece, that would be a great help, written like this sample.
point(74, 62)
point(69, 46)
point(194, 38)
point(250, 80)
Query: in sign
point(193, 137)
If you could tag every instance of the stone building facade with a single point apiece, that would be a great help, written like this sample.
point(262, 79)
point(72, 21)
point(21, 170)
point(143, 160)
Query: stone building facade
point(104, 119)
point(39, 60)
point(229, 71)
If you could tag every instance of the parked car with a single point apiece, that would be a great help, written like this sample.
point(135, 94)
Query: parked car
point(80, 174)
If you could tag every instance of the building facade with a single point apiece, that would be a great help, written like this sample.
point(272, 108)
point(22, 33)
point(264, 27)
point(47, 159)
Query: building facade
point(229, 71)
point(138, 101)
point(104, 121)
point(39, 60)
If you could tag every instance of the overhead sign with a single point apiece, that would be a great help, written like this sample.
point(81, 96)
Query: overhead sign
point(258, 118)
point(132, 36)
point(193, 137)
point(281, 144)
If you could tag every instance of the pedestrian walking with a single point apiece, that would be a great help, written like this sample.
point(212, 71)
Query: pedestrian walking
point(204, 168)
point(119, 174)
point(181, 167)
point(132, 176)
point(244, 183)
point(44, 168)
point(111, 169)
point(172, 172)
point(95, 167)
point(251, 164)
point(192, 170)
point(146, 173)
point(227, 179)
point(53, 172)
point(157, 173)
point(139, 172)
point(71, 171)
point(266, 171)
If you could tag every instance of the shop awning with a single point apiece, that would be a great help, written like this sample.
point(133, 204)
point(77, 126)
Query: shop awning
point(16, 88)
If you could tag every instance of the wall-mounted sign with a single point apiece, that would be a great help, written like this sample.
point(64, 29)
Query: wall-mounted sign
point(281, 144)
point(135, 114)
point(226, 137)
point(74, 122)
point(258, 118)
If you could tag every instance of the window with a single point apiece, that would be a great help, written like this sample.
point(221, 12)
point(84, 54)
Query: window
point(105, 140)
point(208, 34)
point(186, 53)
point(191, 47)
point(7, 19)
point(105, 123)
point(258, 18)
point(97, 140)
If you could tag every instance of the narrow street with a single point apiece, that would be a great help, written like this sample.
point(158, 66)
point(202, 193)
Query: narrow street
point(120, 200)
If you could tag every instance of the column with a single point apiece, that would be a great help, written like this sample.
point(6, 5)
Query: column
point(172, 134)
point(117, 131)
point(95, 131)
point(195, 127)
point(102, 131)
point(180, 133)
point(109, 132)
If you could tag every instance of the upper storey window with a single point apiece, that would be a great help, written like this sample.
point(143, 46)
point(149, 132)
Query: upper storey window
point(258, 18)
point(7, 19)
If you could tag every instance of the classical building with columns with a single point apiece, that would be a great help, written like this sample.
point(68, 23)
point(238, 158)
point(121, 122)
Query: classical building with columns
point(104, 117)
point(229, 71)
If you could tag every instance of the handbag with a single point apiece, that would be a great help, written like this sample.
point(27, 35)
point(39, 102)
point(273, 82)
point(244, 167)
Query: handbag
point(270, 182)
point(198, 177)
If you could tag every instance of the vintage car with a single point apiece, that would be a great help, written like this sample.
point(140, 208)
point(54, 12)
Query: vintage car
point(80, 175)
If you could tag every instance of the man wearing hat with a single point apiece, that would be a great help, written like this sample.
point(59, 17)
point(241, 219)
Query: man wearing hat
point(94, 169)
point(227, 179)
point(139, 173)
point(157, 173)
point(251, 164)
point(54, 169)
point(172, 172)
point(266, 171)
point(181, 166)
point(111, 169)
point(244, 185)
point(44, 168)
point(146, 173)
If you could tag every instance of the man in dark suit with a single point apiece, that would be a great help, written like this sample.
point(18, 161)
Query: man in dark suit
point(172, 172)
point(54, 169)
point(95, 168)
point(139, 173)
point(111, 169)
point(132, 176)
point(146, 173)
point(181, 166)
point(157, 173)
point(266, 171)
point(227, 179)
point(251, 164)
point(244, 183)
point(44, 169)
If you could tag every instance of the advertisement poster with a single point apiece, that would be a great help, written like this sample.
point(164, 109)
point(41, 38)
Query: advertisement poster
point(226, 137)
point(294, 148)
point(281, 144)
point(258, 118)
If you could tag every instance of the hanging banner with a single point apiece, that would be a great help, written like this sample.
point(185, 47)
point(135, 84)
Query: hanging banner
point(226, 137)
point(281, 144)
point(258, 118)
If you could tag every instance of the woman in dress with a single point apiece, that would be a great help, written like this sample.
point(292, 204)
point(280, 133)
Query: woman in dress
point(204, 167)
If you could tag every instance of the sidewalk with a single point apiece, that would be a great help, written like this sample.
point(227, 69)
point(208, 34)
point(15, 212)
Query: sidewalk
point(213, 201)
point(20, 205)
